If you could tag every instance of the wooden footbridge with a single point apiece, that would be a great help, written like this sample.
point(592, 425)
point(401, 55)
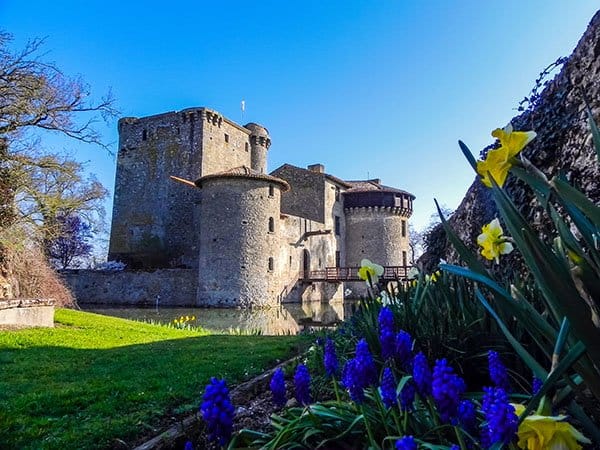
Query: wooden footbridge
point(338, 274)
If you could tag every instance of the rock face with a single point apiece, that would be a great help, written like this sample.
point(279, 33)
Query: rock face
point(563, 145)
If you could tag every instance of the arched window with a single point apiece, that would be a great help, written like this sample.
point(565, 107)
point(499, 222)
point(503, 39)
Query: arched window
point(271, 190)
point(271, 264)
point(271, 225)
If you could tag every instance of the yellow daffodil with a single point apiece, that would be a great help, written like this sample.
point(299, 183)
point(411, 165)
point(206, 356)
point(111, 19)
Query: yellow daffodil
point(538, 432)
point(370, 269)
point(492, 241)
point(433, 277)
point(498, 162)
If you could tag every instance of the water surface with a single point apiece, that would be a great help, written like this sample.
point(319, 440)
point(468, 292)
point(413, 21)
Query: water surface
point(287, 319)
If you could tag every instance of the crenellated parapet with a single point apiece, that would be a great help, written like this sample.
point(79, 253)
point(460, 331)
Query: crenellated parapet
point(389, 210)
point(211, 117)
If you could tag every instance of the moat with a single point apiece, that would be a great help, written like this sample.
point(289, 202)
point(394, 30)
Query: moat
point(287, 319)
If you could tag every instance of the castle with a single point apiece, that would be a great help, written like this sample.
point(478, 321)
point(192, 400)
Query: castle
point(192, 192)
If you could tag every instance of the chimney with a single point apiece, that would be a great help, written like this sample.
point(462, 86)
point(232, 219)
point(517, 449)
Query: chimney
point(318, 168)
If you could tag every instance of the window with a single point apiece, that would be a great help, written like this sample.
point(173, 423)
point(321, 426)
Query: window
point(246, 146)
point(271, 190)
point(226, 137)
point(404, 228)
point(271, 225)
point(271, 264)
point(337, 226)
point(398, 201)
point(404, 259)
point(144, 135)
point(337, 194)
point(337, 259)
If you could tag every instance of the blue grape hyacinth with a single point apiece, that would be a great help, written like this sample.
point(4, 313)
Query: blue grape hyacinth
point(359, 372)
point(536, 385)
point(407, 396)
point(404, 347)
point(217, 411)
point(498, 373)
point(388, 388)
point(387, 337)
point(330, 358)
point(406, 443)
point(501, 422)
point(446, 389)
point(422, 374)
point(302, 385)
point(467, 416)
point(278, 388)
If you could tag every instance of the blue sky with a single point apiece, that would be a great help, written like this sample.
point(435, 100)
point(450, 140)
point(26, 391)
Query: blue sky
point(369, 89)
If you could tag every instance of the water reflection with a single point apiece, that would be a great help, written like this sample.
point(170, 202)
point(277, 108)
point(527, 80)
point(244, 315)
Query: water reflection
point(288, 319)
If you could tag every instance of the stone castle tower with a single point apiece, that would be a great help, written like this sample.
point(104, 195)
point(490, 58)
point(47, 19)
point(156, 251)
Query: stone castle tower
point(255, 239)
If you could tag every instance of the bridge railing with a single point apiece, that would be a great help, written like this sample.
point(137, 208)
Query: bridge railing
point(390, 273)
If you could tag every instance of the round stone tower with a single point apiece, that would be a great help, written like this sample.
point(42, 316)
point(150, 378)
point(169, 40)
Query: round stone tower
point(377, 224)
point(239, 238)
point(259, 145)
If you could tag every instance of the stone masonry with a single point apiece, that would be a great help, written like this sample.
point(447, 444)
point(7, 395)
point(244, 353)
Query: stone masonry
point(253, 238)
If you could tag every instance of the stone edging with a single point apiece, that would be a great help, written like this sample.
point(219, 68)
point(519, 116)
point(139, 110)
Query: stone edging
point(25, 302)
point(253, 386)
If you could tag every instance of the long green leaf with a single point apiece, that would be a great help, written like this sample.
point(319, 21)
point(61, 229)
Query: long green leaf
point(462, 249)
point(468, 155)
point(568, 192)
point(531, 362)
point(539, 185)
point(523, 311)
point(550, 381)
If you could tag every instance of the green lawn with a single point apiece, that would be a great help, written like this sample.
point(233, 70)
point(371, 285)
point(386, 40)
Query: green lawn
point(94, 379)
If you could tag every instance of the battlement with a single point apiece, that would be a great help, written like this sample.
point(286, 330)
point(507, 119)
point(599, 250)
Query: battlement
point(249, 234)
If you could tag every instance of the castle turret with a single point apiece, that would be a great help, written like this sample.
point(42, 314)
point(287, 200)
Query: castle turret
point(239, 238)
point(259, 145)
point(377, 224)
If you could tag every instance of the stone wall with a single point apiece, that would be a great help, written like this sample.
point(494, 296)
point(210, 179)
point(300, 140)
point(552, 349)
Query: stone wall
point(153, 221)
point(375, 233)
point(174, 287)
point(306, 196)
point(563, 144)
point(225, 144)
point(236, 243)
point(26, 313)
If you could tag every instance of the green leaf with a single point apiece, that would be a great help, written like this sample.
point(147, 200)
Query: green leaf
point(566, 192)
point(462, 249)
point(539, 185)
point(531, 362)
point(565, 364)
point(468, 155)
point(533, 322)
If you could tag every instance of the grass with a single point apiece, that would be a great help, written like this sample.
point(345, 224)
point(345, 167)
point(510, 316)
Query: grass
point(94, 380)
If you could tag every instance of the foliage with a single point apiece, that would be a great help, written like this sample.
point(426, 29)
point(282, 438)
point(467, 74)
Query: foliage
point(552, 325)
point(71, 243)
point(37, 185)
point(93, 380)
point(566, 270)
point(50, 186)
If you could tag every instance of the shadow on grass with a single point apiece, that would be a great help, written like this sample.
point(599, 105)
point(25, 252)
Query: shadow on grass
point(60, 397)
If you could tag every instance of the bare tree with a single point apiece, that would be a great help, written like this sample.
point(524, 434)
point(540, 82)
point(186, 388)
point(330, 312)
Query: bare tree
point(36, 94)
point(37, 184)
